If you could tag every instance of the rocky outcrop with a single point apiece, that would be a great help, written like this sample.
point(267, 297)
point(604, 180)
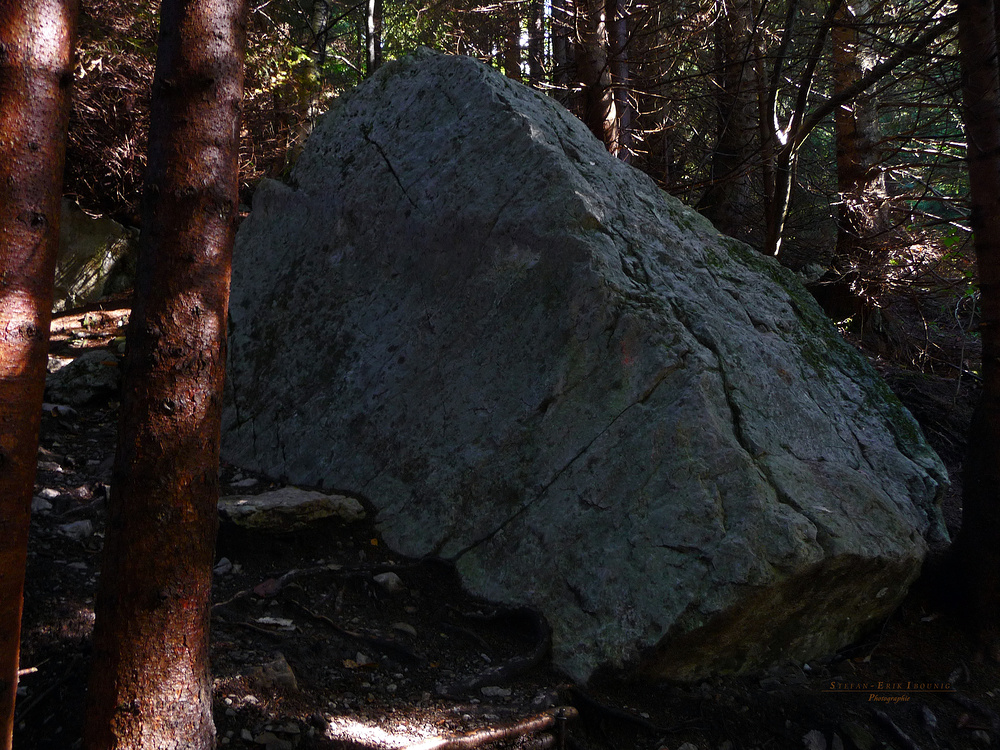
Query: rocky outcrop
point(535, 363)
point(96, 257)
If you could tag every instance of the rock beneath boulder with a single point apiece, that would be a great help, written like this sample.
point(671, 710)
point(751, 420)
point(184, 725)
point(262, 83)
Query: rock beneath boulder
point(288, 509)
point(96, 257)
point(89, 378)
point(535, 363)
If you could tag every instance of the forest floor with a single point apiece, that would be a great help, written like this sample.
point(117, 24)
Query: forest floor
point(309, 650)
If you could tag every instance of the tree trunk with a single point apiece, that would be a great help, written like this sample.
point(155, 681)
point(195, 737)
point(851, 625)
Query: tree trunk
point(536, 42)
point(802, 122)
point(35, 75)
point(149, 684)
point(373, 36)
point(618, 35)
point(511, 39)
point(594, 73)
point(320, 14)
point(729, 197)
point(563, 52)
point(978, 545)
point(860, 182)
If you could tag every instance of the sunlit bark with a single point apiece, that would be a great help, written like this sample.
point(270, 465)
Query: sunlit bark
point(594, 73)
point(150, 685)
point(373, 36)
point(36, 48)
point(618, 56)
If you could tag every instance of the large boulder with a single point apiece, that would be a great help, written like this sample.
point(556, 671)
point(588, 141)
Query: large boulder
point(532, 361)
point(96, 257)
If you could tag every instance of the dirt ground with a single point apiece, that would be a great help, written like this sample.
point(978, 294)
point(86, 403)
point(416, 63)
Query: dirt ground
point(313, 647)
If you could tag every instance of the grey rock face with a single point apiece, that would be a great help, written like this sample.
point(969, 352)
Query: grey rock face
point(534, 362)
point(96, 257)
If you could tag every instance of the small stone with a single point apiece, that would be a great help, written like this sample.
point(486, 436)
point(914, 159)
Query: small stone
point(277, 673)
point(49, 493)
point(390, 582)
point(78, 566)
point(858, 735)
point(77, 530)
point(494, 691)
point(83, 492)
point(60, 411)
point(688, 746)
point(50, 466)
point(265, 738)
point(405, 627)
point(223, 567)
point(930, 720)
point(246, 734)
point(543, 700)
point(40, 505)
point(230, 712)
point(248, 482)
point(268, 588)
point(317, 720)
point(814, 740)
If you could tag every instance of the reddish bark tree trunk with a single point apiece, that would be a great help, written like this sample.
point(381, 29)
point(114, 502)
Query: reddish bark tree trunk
point(150, 685)
point(978, 545)
point(511, 41)
point(35, 75)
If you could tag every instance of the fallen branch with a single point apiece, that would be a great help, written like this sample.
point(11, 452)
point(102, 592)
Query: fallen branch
point(555, 717)
point(22, 712)
point(276, 634)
